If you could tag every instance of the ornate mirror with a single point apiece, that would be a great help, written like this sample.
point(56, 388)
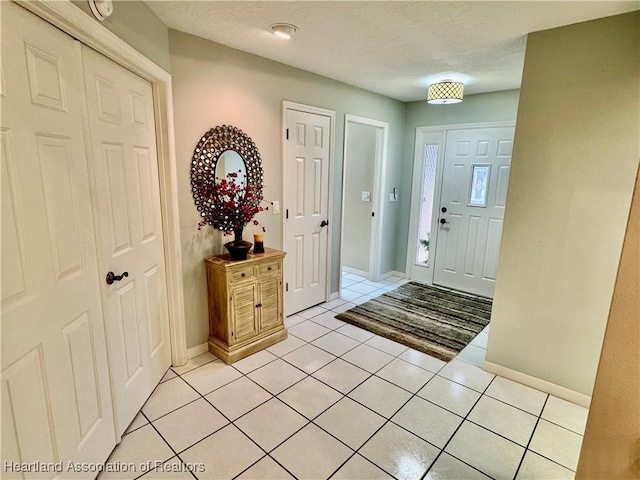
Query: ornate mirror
point(225, 153)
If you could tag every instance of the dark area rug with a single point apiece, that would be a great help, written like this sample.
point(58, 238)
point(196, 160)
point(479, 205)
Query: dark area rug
point(434, 320)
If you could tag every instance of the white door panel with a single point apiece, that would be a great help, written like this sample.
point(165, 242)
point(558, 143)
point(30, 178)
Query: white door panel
point(123, 143)
point(307, 180)
point(56, 400)
point(468, 243)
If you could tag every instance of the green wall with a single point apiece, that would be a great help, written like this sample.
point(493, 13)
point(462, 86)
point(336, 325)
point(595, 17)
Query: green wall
point(214, 85)
point(137, 25)
point(575, 158)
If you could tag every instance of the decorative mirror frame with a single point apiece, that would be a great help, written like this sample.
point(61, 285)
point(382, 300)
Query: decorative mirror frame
point(203, 171)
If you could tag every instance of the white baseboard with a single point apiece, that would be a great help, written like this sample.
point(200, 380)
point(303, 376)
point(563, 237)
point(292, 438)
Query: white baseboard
point(390, 274)
point(384, 276)
point(197, 350)
point(355, 271)
point(334, 296)
point(539, 384)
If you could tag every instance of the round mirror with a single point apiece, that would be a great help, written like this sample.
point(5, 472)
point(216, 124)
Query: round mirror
point(231, 162)
point(221, 151)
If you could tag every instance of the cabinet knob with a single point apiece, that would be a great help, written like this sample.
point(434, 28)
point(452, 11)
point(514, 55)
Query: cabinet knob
point(243, 274)
point(258, 305)
point(269, 268)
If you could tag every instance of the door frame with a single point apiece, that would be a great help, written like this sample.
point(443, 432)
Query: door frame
point(379, 175)
point(286, 106)
point(421, 134)
point(73, 21)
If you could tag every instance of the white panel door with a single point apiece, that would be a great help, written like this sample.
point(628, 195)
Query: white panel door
point(306, 179)
point(123, 143)
point(474, 193)
point(56, 400)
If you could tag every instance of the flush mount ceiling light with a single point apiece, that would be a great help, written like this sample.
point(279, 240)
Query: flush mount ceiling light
point(284, 30)
point(445, 92)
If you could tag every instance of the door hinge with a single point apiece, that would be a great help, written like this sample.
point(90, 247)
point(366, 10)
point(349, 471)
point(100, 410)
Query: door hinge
point(287, 134)
point(286, 287)
point(373, 214)
point(287, 213)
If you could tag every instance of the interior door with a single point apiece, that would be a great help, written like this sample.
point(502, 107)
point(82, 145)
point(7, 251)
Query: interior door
point(471, 212)
point(306, 178)
point(56, 400)
point(125, 172)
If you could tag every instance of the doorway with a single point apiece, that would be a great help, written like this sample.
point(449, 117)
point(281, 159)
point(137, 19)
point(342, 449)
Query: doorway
point(307, 226)
point(461, 175)
point(365, 146)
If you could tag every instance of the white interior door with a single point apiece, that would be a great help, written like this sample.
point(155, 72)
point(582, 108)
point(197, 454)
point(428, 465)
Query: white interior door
point(123, 143)
point(56, 401)
point(306, 177)
point(471, 212)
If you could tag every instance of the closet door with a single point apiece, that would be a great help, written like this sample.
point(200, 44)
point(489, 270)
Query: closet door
point(56, 400)
point(125, 177)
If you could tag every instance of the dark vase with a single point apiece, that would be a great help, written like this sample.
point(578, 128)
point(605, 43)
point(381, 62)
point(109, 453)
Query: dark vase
point(238, 249)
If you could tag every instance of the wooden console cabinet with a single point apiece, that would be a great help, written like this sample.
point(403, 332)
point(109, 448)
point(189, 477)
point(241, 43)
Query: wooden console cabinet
point(246, 311)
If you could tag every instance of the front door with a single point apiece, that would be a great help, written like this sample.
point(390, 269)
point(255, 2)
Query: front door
point(306, 177)
point(125, 172)
point(471, 209)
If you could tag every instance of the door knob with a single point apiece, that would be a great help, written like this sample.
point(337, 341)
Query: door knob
point(443, 221)
point(323, 223)
point(111, 277)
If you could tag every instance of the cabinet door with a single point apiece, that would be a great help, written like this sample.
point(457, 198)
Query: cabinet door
point(244, 321)
point(271, 300)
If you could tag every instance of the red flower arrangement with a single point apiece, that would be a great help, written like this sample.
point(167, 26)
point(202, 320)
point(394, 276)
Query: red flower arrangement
point(235, 203)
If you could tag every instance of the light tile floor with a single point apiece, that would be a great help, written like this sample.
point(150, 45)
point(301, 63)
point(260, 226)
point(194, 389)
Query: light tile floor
point(335, 401)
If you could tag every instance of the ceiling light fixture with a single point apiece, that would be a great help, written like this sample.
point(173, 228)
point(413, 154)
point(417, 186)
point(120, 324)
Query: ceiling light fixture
point(284, 30)
point(445, 92)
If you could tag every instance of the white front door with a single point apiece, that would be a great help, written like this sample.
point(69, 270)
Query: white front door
point(471, 209)
point(125, 172)
point(306, 177)
point(56, 400)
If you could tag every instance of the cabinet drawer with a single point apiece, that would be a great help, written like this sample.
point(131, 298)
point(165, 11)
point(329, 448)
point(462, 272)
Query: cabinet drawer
point(242, 274)
point(270, 267)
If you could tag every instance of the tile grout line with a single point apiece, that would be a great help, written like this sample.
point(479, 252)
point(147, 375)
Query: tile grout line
point(526, 448)
point(170, 447)
point(179, 375)
point(540, 418)
point(322, 412)
point(454, 434)
point(387, 420)
point(342, 396)
point(231, 422)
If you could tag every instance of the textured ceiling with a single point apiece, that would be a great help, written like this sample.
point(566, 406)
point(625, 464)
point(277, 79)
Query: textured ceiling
point(393, 48)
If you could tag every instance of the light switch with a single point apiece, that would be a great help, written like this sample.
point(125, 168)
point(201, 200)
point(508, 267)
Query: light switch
point(276, 207)
point(366, 196)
